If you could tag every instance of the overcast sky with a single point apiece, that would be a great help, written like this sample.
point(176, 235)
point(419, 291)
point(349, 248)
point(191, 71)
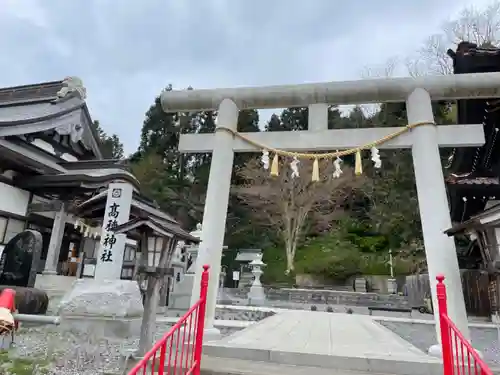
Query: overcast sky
point(126, 51)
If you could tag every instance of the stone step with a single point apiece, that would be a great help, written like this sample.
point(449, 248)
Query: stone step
point(349, 364)
point(232, 366)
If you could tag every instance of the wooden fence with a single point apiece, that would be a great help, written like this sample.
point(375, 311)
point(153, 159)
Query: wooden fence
point(475, 285)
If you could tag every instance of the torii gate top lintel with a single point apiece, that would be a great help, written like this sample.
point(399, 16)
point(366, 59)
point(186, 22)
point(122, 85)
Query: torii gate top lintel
point(460, 86)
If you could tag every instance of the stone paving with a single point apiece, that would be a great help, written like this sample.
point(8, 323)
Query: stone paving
point(329, 340)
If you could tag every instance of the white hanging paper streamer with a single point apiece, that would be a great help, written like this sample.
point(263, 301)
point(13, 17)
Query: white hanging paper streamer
point(294, 165)
point(77, 224)
point(265, 159)
point(338, 170)
point(376, 158)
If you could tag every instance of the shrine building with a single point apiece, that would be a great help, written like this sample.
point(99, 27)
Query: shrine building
point(53, 179)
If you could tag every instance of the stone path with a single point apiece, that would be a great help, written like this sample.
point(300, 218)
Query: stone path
point(327, 340)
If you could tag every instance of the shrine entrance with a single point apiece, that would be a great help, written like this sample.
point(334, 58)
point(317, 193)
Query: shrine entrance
point(421, 135)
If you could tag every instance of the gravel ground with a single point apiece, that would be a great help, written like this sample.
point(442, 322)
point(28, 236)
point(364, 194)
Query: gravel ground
point(74, 353)
point(424, 335)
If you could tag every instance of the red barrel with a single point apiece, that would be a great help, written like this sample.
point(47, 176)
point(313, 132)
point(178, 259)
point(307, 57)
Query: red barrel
point(7, 299)
point(7, 308)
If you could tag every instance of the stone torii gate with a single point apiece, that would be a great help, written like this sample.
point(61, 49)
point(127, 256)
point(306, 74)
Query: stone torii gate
point(423, 140)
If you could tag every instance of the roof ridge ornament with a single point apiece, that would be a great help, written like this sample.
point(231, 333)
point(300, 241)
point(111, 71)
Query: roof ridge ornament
point(72, 86)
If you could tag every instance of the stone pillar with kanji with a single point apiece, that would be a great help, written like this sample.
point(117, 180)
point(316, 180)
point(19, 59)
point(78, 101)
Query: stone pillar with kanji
point(111, 248)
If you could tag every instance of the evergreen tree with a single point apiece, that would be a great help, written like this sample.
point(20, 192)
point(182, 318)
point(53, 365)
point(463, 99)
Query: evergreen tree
point(110, 145)
point(248, 122)
point(274, 123)
point(241, 231)
point(184, 178)
point(294, 119)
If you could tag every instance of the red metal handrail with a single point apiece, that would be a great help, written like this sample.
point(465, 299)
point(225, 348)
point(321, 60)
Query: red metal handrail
point(459, 357)
point(179, 355)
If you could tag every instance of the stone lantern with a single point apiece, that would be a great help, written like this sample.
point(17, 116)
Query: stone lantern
point(180, 299)
point(193, 250)
point(256, 296)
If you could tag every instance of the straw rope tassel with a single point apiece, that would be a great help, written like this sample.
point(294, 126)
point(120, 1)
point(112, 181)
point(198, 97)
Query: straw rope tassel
point(315, 171)
point(327, 155)
point(358, 165)
point(275, 166)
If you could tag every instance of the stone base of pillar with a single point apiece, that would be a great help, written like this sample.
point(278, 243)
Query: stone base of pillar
point(495, 318)
point(116, 304)
point(181, 297)
point(211, 334)
point(49, 272)
point(51, 282)
point(392, 286)
point(436, 351)
point(256, 296)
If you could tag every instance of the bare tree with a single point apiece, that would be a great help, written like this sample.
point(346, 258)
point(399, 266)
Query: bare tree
point(432, 57)
point(286, 202)
point(387, 69)
point(480, 26)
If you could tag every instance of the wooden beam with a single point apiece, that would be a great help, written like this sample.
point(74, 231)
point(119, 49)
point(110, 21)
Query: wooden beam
point(51, 206)
point(448, 136)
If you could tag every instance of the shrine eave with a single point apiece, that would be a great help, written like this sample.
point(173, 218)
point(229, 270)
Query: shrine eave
point(159, 228)
point(140, 207)
point(466, 189)
point(459, 86)
point(453, 179)
point(460, 228)
point(26, 156)
point(95, 164)
point(486, 219)
point(91, 179)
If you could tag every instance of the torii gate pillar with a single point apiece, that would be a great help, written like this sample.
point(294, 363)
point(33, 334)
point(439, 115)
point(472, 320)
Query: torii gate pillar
point(215, 211)
point(440, 249)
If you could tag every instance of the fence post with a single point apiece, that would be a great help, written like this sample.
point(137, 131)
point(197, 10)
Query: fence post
point(200, 324)
point(446, 349)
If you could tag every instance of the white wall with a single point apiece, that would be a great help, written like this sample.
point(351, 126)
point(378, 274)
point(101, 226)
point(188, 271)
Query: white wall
point(13, 200)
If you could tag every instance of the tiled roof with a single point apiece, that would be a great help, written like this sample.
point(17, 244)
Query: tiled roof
point(27, 93)
point(156, 224)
